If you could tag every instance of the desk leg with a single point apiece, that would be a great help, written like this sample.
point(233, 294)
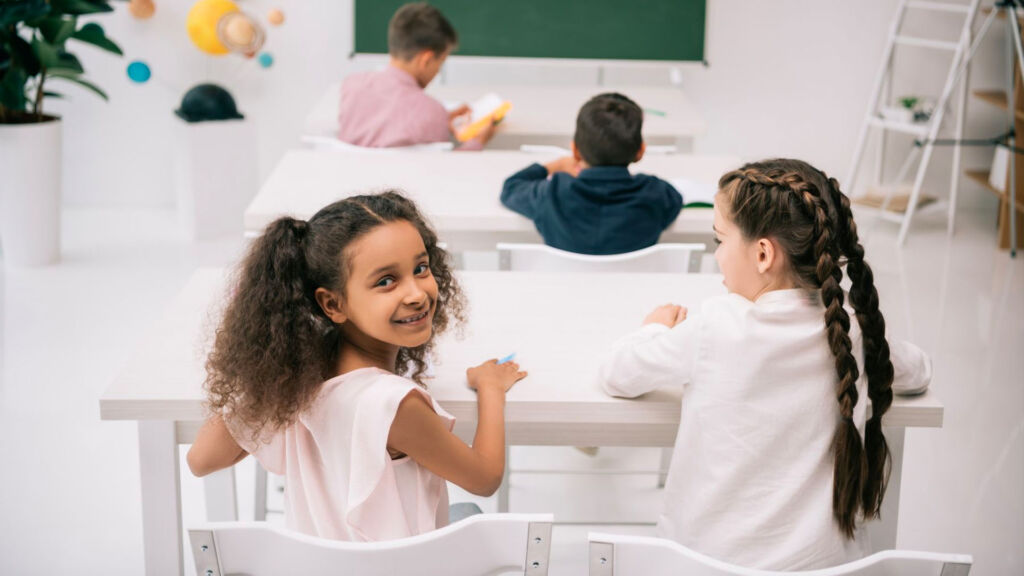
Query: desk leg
point(882, 533)
point(161, 498)
point(221, 502)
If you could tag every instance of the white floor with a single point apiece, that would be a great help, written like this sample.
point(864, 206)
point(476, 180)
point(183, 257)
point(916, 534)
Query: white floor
point(69, 488)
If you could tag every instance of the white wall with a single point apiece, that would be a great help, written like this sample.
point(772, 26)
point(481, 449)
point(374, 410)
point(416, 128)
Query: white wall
point(786, 78)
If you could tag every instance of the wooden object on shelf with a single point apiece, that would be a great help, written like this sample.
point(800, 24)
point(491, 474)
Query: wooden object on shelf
point(897, 204)
point(999, 98)
point(1003, 221)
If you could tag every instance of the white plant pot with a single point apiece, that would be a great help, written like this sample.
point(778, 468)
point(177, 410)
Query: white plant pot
point(30, 186)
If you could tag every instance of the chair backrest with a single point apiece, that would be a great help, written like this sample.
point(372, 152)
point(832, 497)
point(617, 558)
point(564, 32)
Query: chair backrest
point(612, 555)
point(481, 544)
point(666, 258)
point(319, 142)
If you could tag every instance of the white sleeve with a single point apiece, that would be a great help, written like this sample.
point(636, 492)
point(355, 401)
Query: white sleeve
point(652, 357)
point(912, 368)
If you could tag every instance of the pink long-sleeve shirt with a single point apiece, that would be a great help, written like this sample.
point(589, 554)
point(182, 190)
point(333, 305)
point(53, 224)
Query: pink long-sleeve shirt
point(388, 108)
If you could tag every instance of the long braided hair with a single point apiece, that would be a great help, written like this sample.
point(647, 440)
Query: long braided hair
point(804, 211)
point(275, 345)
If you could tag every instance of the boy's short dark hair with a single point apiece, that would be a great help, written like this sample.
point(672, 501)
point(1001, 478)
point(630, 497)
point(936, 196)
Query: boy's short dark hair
point(418, 27)
point(608, 130)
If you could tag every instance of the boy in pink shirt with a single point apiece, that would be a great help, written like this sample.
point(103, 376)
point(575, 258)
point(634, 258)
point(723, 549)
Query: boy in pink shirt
point(389, 108)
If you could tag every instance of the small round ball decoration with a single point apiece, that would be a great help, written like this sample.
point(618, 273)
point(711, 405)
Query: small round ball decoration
point(139, 72)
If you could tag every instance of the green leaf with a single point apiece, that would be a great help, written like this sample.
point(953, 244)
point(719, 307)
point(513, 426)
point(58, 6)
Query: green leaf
point(46, 53)
point(69, 62)
point(21, 11)
point(92, 33)
point(56, 29)
point(78, 7)
point(49, 94)
point(53, 58)
point(83, 83)
point(12, 89)
point(5, 58)
point(24, 56)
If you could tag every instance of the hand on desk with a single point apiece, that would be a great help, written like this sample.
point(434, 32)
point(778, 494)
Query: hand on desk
point(567, 164)
point(667, 314)
point(493, 376)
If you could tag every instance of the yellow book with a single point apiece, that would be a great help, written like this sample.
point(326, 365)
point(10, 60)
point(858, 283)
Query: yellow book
point(490, 108)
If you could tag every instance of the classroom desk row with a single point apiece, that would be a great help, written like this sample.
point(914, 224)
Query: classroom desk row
point(458, 192)
point(545, 114)
point(560, 326)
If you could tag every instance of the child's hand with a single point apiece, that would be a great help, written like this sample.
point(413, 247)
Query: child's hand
point(487, 132)
point(668, 314)
point(493, 376)
point(457, 112)
point(566, 164)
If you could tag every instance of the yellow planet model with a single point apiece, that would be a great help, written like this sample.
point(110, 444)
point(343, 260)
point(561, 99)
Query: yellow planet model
point(202, 22)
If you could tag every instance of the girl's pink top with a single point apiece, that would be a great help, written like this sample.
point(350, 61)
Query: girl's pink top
point(341, 483)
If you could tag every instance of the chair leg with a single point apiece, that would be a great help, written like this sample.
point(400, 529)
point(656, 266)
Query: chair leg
point(666, 461)
point(504, 488)
point(221, 503)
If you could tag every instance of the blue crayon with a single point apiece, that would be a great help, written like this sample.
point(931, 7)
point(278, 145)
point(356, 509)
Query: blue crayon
point(508, 358)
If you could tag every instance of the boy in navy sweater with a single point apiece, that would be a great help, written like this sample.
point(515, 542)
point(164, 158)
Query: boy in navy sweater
point(592, 204)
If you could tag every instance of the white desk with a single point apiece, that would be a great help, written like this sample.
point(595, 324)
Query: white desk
point(559, 326)
point(458, 191)
point(546, 114)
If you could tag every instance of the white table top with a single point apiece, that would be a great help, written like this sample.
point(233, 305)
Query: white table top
point(459, 192)
point(559, 325)
point(543, 110)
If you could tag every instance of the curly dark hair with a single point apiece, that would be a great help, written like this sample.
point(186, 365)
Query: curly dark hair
point(805, 212)
point(275, 346)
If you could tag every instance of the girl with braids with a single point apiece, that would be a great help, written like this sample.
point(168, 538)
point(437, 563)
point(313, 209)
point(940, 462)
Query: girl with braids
point(780, 453)
point(317, 371)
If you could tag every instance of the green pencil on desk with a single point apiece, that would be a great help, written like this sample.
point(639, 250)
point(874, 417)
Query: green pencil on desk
point(655, 112)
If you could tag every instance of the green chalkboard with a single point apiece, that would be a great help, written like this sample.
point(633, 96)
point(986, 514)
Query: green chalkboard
point(590, 29)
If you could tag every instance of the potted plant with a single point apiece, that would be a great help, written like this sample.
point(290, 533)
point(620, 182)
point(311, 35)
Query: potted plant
point(33, 59)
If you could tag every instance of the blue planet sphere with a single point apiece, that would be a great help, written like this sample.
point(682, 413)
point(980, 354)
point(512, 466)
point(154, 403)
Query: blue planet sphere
point(138, 71)
point(266, 60)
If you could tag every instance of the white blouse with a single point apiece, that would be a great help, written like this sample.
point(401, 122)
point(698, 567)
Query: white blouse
point(751, 475)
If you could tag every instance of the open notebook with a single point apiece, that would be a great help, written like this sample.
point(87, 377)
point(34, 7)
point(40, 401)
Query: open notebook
point(489, 108)
point(695, 194)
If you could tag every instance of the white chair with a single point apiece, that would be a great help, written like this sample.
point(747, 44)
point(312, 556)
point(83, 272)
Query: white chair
point(666, 258)
point(323, 142)
point(626, 555)
point(484, 544)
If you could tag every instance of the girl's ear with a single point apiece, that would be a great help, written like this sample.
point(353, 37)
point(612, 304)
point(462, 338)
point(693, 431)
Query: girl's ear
point(766, 255)
point(332, 304)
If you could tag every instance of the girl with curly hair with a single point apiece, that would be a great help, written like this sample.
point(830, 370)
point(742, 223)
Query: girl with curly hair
point(780, 453)
point(317, 370)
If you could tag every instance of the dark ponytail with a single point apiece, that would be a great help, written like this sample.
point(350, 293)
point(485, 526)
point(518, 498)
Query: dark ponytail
point(804, 211)
point(275, 346)
point(877, 364)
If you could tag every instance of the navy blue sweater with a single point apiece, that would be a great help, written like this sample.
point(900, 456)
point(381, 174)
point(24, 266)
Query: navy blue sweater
point(606, 210)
